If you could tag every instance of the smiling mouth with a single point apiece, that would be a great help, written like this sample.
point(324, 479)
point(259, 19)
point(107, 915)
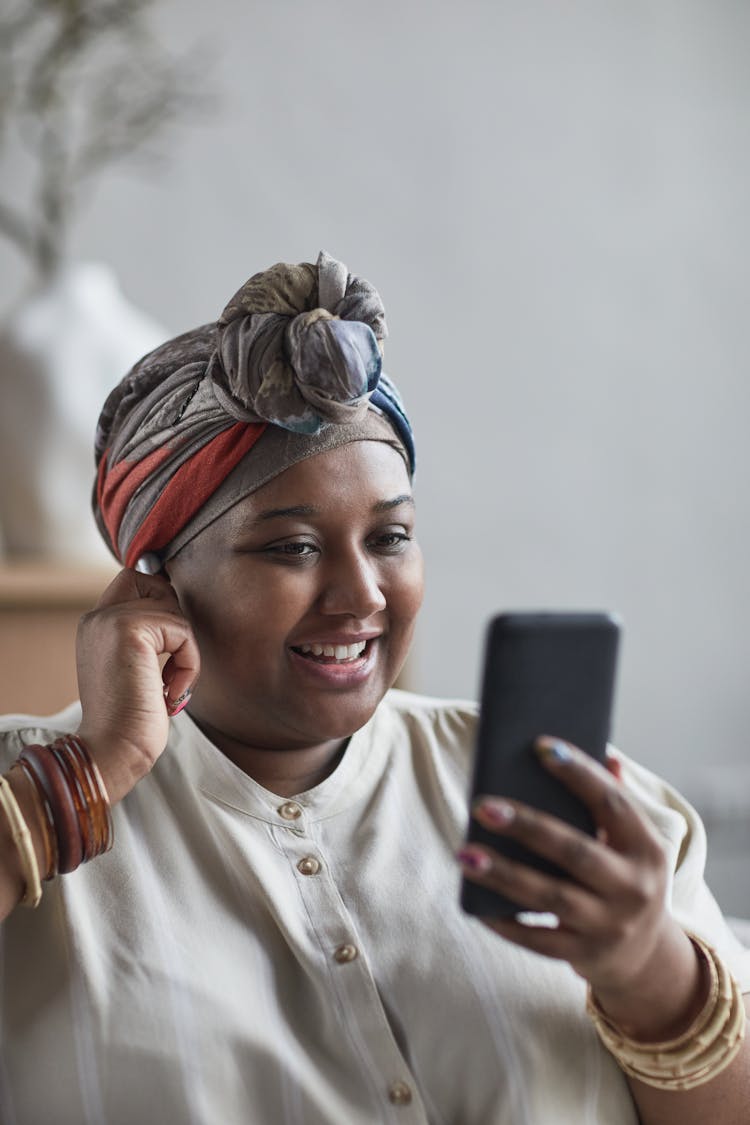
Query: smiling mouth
point(332, 654)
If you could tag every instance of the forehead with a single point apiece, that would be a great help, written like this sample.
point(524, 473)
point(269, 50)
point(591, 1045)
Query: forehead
point(349, 479)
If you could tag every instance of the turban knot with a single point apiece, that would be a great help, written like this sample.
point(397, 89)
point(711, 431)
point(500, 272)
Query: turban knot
point(300, 345)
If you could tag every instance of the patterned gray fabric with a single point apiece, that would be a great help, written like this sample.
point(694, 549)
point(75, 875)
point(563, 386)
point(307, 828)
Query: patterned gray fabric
point(298, 347)
point(301, 344)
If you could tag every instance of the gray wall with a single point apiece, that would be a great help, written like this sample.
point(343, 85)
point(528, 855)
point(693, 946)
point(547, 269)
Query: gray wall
point(552, 199)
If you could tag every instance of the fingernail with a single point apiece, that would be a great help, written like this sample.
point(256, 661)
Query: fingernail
point(476, 861)
point(552, 749)
point(496, 812)
point(179, 703)
point(614, 765)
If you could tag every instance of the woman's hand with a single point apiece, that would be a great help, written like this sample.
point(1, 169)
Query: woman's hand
point(137, 662)
point(614, 927)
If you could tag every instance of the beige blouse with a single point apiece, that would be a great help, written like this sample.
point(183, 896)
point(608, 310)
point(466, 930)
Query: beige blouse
point(243, 959)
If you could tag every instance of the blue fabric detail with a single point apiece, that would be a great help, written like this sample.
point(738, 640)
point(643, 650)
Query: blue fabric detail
point(386, 398)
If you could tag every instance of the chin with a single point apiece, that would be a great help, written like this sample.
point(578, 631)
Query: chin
point(342, 720)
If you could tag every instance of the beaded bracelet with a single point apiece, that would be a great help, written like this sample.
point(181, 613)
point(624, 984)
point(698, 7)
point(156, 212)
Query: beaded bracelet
point(697, 1055)
point(22, 839)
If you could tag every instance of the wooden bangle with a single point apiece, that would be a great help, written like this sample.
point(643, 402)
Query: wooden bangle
point(698, 1055)
point(76, 789)
point(45, 821)
point(22, 839)
point(98, 796)
point(51, 780)
point(79, 759)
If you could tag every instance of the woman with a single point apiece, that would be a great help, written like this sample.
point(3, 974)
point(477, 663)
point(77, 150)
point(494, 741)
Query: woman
point(274, 935)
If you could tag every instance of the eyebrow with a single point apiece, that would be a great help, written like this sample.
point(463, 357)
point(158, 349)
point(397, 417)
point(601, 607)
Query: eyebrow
point(396, 502)
point(279, 513)
point(304, 510)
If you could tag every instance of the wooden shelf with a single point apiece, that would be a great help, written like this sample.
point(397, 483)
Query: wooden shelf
point(37, 583)
point(41, 602)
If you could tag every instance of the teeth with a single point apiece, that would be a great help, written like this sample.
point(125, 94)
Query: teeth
point(338, 652)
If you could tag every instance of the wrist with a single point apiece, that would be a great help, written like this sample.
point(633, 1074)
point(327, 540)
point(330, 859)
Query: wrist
point(698, 1053)
point(666, 994)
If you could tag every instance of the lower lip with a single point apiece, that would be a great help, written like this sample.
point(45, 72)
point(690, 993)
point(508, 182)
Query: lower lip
point(343, 675)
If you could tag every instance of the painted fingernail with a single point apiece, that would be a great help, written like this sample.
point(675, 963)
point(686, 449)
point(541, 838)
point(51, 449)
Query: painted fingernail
point(476, 861)
point(614, 765)
point(553, 749)
point(179, 703)
point(496, 812)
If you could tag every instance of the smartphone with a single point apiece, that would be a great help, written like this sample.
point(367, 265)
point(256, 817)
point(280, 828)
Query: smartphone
point(544, 673)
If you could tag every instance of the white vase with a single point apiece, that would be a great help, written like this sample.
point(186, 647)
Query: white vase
point(60, 355)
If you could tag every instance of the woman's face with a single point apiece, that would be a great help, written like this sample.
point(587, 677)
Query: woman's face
point(303, 598)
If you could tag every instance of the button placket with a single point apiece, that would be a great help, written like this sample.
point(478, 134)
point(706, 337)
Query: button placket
point(290, 810)
point(399, 1093)
point(345, 953)
point(292, 818)
point(334, 934)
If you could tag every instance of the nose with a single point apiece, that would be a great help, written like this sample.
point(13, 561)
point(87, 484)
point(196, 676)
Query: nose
point(352, 587)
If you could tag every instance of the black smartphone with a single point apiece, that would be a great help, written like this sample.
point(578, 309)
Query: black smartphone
point(544, 673)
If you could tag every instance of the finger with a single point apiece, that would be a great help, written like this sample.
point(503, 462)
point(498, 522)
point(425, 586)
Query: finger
point(179, 675)
point(533, 890)
point(132, 585)
point(627, 829)
point(550, 941)
point(174, 639)
point(588, 860)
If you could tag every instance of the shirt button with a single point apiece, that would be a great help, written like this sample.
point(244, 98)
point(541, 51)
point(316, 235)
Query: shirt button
point(400, 1094)
point(308, 866)
point(290, 810)
point(345, 953)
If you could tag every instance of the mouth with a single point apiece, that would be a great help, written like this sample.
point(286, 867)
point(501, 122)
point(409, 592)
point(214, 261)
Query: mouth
point(333, 654)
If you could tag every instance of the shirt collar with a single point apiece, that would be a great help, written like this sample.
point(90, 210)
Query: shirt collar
point(207, 769)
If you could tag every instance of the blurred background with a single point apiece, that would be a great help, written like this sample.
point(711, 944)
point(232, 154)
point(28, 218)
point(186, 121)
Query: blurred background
point(552, 199)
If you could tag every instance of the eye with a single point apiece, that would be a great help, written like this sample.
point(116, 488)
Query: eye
point(391, 541)
point(292, 549)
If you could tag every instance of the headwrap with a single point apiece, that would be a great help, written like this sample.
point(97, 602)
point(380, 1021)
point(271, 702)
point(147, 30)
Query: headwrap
point(292, 367)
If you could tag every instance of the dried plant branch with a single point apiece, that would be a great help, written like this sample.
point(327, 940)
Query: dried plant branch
point(83, 84)
point(14, 227)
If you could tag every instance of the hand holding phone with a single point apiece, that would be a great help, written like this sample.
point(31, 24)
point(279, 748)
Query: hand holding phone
point(544, 673)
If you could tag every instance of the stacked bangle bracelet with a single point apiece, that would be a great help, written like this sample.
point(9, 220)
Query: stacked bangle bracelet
point(22, 839)
point(700, 1053)
point(72, 810)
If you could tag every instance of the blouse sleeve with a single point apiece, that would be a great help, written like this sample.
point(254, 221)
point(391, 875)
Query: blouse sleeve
point(17, 731)
point(684, 836)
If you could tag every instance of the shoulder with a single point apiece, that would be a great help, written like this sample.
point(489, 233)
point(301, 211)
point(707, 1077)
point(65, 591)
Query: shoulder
point(442, 717)
point(440, 727)
point(673, 816)
point(17, 731)
point(429, 744)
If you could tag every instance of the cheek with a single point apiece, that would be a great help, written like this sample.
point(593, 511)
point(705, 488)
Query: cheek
point(262, 604)
point(407, 591)
point(216, 611)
